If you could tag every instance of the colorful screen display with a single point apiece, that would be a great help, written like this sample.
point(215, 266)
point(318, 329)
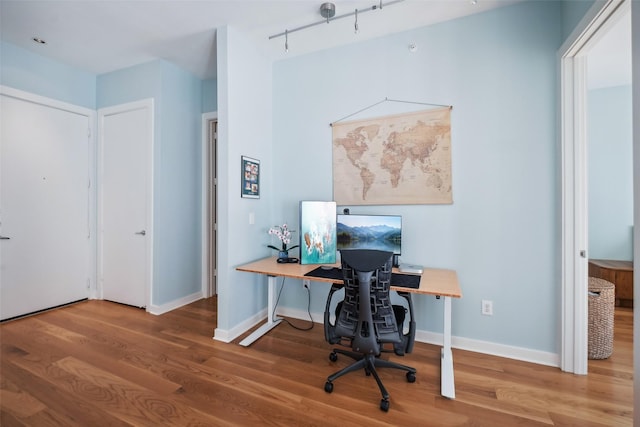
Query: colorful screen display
point(317, 232)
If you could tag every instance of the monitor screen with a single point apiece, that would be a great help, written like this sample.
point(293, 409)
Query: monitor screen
point(381, 232)
point(317, 232)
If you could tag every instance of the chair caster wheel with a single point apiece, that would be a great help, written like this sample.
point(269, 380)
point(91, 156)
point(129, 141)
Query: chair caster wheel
point(384, 405)
point(333, 356)
point(328, 387)
point(411, 377)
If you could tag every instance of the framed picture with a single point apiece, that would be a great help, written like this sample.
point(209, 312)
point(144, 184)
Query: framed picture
point(250, 179)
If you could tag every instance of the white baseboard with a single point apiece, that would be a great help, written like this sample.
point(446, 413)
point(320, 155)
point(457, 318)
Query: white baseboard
point(229, 335)
point(165, 308)
point(494, 349)
point(484, 347)
point(301, 314)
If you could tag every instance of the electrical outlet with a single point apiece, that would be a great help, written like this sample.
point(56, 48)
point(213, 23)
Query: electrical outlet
point(305, 284)
point(487, 307)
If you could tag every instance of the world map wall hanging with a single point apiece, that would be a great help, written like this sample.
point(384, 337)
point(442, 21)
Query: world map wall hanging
point(402, 159)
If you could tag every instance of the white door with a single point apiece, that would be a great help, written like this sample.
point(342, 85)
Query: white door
point(44, 206)
point(124, 202)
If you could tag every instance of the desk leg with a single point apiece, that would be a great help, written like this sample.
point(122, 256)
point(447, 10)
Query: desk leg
point(447, 385)
point(272, 321)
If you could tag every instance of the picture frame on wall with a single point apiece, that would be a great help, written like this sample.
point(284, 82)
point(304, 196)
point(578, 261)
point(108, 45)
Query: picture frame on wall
point(250, 178)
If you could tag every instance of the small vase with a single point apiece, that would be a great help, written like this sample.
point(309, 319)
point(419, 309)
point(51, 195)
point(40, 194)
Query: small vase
point(283, 254)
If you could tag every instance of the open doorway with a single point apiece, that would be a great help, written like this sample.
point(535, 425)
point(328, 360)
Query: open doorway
point(610, 174)
point(575, 213)
point(209, 204)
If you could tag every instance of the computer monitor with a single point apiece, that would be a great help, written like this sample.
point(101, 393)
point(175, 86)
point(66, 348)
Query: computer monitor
point(381, 232)
point(317, 232)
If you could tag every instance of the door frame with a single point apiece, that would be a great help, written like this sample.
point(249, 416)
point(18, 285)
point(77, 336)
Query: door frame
point(147, 104)
point(204, 216)
point(573, 136)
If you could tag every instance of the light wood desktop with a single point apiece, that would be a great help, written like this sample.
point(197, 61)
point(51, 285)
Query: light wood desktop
point(437, 282)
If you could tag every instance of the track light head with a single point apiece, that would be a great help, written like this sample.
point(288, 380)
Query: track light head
point(355, 26)
point(286, 41)
point(328, 10)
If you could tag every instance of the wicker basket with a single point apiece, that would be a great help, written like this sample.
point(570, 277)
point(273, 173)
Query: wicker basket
point(601, 310)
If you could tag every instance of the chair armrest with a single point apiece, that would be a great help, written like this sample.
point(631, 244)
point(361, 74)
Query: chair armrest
point(329, 328)
point(408, 339)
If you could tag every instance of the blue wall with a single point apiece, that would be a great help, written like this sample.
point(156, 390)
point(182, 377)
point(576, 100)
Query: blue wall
point(178, 101)
point(572, 13)
point(245, 128)
point(610, 163)
point(498, 70)
point(209, 95)
point(27, 71)
point(178, 196)
point(177, 168)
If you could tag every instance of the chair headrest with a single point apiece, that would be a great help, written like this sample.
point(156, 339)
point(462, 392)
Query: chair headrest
point(365, 259)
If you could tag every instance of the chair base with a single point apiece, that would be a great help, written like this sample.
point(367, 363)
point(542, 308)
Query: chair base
point(369, 363)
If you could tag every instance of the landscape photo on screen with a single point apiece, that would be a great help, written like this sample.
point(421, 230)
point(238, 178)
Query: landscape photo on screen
point(381, 232)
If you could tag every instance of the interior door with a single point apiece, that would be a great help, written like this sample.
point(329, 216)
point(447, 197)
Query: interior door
point(124, 197)
point(44, 206)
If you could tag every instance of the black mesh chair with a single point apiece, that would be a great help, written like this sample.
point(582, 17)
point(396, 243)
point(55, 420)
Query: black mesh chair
point(366, 321)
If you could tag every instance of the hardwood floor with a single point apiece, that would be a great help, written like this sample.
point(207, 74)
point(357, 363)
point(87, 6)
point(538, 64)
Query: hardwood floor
point(98, 363)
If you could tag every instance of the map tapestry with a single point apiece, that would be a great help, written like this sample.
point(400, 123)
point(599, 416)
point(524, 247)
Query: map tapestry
point(402, 159)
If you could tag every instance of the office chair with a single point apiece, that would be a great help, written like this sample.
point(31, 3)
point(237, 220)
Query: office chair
point(366, 320)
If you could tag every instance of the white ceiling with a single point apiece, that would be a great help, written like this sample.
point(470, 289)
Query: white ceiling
point(100, 36)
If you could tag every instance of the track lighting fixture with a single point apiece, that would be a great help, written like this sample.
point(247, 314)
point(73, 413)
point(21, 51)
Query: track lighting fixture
point(328, 13)
point(286, 41)
point(327, 10)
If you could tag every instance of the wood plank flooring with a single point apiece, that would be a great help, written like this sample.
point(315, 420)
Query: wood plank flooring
point(98, 363)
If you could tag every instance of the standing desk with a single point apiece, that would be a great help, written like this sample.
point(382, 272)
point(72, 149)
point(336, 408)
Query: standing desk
point(438, 282)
